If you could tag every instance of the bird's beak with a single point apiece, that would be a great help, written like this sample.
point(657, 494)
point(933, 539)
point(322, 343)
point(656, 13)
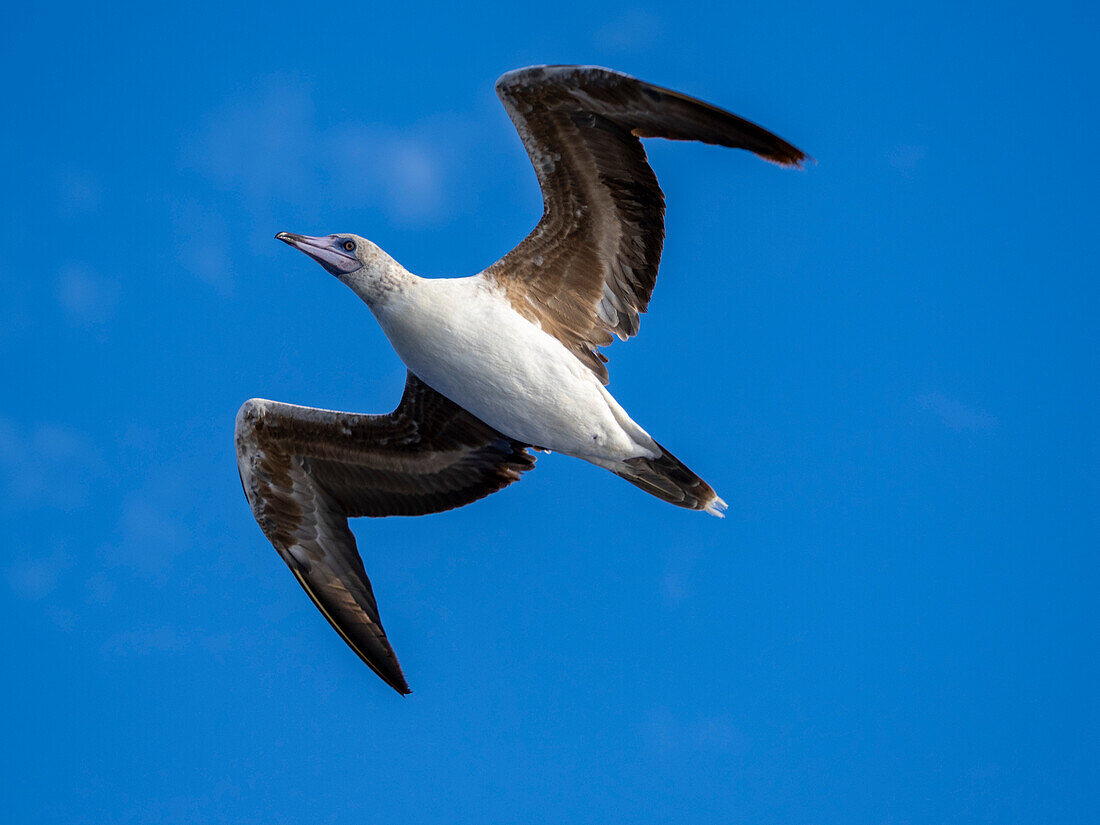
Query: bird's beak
point(328, 251)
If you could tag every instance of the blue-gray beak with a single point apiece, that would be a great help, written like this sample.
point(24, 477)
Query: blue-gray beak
point(328, 251)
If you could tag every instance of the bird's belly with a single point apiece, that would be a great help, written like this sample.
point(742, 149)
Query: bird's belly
point(514, 377)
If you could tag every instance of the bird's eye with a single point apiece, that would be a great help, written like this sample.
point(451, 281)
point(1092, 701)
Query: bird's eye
point(349, 246)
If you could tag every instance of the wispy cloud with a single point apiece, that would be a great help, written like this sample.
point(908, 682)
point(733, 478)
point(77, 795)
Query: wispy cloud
point(666, 733)
point(144, 641)
point(956, 415)
point(86, 299)
point(677, 584)
point(100, 588)
point(150, 534)
point(635, 30)
point(33, 578)
point(402, 172)
point(269, 147)
point(78, 191)
point(202, 243)
point(260, 145)
point(675, 587)
point(46, 465)
point(907, 157)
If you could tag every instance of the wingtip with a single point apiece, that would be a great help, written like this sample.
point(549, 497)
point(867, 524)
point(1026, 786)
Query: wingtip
point(392, 676)
point(786, 155)
point(801, 162)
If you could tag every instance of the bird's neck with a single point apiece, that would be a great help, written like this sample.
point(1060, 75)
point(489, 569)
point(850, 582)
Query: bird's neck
point(382, 282)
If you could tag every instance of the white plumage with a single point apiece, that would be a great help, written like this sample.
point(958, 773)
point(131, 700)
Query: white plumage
point(462, 337)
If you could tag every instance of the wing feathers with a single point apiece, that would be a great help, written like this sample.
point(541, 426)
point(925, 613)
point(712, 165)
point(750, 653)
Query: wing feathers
point(306, 471)
point(587, 271)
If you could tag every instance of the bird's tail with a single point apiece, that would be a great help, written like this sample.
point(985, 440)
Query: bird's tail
point(667, 478)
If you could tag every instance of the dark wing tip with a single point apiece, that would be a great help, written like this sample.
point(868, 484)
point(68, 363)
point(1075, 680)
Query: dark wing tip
point(395, 681)
point(774, 149)
point(394, 678)
point(385, 666)
point(665, 113)
point(787, 155)
point(388, 669)
point(682, 117)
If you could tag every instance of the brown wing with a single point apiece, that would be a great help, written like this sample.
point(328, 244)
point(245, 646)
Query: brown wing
point(588, 268)
point(305, 471)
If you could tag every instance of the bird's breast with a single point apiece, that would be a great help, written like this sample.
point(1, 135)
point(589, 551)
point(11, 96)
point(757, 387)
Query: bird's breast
point(464, 340)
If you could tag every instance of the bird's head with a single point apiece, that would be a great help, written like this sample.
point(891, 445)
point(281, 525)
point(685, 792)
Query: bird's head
point(354, 260)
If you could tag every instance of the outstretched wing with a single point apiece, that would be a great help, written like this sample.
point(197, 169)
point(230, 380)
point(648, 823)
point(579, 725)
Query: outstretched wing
point(588, 268)
point(305, 471)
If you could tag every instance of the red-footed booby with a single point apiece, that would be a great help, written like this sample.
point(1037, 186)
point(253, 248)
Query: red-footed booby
point(498, 362)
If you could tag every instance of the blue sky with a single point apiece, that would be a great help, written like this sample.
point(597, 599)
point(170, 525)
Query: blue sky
point(883, 363)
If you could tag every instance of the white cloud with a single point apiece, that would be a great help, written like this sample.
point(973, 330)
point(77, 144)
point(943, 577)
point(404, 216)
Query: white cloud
point(46, 465)
point(143, 522)
point(34, 578)
point(211, 263)
point(402, 174)
point(414, 178)
point(86, 299)
point(677, 582)
point(269, 148)
point(150, 534)
point(202, 245)
point(261, 145)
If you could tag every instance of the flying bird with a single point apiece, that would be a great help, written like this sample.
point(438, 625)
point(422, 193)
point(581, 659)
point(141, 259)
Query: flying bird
point(499, 363)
